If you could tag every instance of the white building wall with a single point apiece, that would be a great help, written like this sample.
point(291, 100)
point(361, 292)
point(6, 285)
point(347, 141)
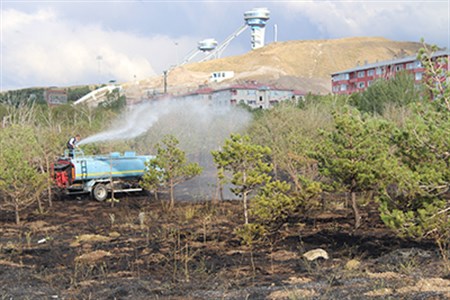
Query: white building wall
point(221, 76)
point(253, 97)
point(222, 97)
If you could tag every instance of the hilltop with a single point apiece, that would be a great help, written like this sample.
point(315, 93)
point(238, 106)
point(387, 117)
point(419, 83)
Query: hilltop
point(303, 65)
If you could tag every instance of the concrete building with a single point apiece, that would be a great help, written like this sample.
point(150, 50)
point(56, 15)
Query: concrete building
point(253, 94)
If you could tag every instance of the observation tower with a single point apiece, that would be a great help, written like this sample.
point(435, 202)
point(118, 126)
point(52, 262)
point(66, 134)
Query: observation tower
point(256, 19)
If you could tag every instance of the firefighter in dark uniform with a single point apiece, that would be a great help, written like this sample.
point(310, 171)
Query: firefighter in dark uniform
point(72, 144)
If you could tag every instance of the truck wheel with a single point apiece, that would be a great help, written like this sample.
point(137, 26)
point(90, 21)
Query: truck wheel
point(100, 193)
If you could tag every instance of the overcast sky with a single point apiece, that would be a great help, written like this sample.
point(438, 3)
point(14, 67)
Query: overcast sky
point(65, 43)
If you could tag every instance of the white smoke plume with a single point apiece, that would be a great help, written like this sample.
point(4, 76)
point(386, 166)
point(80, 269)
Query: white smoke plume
point(131, 124)
point(192, 122)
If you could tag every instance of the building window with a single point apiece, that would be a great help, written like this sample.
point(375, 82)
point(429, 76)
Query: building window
point(409, 66)
point(343, 87)
point(418, 64)
point(379, 71)
point(361, 85)
point(418, 76)
point(369, 83)
point(370, 72)
point(398, 68)
point(361, 74)
point(260, 98)
point(340, 77)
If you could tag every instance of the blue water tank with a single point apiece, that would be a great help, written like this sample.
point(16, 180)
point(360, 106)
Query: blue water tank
point(113, 165)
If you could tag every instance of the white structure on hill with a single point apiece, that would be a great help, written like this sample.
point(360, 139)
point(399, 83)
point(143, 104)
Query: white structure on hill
point(221, 76)
point(205, 46)
point(256, 19)
point(98, 95)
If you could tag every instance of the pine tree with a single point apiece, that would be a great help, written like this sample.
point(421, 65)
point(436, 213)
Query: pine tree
point(415, 202)
point(248, 164)
point(169, 168)
point(354, 154)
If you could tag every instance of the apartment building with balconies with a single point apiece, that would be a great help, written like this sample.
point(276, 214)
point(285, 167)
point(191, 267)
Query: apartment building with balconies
point(358, 79)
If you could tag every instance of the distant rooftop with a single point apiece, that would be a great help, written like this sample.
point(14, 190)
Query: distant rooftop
point(252, 85)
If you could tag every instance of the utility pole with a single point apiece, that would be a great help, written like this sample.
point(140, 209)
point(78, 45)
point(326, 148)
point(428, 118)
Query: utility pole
point(275, 33)
point(176, 51)
point(165, 82)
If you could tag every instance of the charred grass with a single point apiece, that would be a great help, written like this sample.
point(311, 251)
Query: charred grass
point(140, 249)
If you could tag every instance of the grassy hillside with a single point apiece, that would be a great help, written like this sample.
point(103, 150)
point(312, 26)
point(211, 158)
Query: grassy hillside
point(304, 65)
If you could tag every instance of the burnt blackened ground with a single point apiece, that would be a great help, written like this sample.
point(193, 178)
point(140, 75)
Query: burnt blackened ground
point(139, 249)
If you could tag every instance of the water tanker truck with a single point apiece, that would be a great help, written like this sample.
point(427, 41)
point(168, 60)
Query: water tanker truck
point(99, 175)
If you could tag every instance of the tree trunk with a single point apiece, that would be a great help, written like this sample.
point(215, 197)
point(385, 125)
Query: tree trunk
point(16, 210)
point(244, 198)
point(172, 200)
point(356, 211)
point(40, 209)
point(219, 192)
point(50, 195)
point(38, 198)
point(49, 188)
point(294, 176)
point(323, 202)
